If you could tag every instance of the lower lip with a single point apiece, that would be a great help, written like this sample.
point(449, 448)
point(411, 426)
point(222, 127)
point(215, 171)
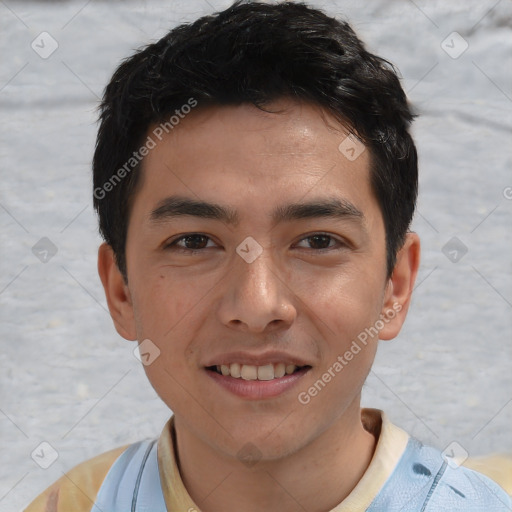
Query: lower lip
point(257, 389)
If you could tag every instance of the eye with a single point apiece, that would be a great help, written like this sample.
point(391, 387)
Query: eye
point(322, 241)
point(192, 242)
point(197, 242)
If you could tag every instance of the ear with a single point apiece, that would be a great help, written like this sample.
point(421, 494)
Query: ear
point(117, 293)
point(397, 296)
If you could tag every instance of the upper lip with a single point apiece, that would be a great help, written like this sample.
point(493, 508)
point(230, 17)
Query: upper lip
point(262, 359)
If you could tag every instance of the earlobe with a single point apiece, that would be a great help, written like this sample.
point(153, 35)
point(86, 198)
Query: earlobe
point(400, 286)
point(116, 292)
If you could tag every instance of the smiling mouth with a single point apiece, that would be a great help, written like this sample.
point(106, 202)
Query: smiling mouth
point(252, 372)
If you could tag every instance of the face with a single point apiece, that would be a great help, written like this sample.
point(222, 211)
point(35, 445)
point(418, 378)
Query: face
point(256, 265)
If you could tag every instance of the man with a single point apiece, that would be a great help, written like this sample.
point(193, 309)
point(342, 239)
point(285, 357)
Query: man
point(255, 181)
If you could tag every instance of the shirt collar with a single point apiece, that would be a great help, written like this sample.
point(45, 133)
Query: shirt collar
point(391, 443)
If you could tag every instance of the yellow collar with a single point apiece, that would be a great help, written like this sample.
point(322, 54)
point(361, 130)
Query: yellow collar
point(391, 443)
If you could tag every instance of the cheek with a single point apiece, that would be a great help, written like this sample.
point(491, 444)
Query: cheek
point(165, 315)
point(161, 306)
point(347, 316)
point(170, 314)
point(343, 303)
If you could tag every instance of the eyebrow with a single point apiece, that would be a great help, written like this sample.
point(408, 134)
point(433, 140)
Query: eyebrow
point(178, 206)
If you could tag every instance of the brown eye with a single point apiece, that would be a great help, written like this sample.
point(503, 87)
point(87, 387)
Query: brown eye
point(321, 241)
point(190, 243)
point(195, 241)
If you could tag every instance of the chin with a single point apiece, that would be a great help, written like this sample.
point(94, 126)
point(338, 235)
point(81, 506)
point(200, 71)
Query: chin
point(262, 442)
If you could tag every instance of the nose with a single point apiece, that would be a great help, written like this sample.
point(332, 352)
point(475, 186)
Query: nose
point(256, 299)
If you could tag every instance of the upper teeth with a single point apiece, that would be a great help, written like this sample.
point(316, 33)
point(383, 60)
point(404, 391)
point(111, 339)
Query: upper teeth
point(250, 372)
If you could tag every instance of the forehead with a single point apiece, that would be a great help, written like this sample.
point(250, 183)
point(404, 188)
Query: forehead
point(254, 158)
point(282, 128)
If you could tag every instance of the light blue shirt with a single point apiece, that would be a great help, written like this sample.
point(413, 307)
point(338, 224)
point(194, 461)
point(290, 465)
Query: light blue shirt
point(422, 481)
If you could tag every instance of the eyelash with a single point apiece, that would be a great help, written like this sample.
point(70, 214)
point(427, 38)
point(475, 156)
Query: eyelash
point(174, 247)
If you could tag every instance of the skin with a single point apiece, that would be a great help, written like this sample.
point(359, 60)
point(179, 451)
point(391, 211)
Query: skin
point(297, 296)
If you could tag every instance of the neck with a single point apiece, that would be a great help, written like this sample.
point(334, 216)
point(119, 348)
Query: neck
point(317, 477)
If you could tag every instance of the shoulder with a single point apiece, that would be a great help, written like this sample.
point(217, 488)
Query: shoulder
point(424, 480)
point(454, 487)
point(461, 488)
point(77, 489)
point(496, 467)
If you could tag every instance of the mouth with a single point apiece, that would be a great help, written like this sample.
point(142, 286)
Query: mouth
point(265, 372)
point(257, 382)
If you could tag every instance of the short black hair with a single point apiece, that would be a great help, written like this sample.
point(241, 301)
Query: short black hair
point(255, 53)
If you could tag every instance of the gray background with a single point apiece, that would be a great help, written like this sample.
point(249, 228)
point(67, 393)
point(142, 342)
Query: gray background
point(69, 380)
